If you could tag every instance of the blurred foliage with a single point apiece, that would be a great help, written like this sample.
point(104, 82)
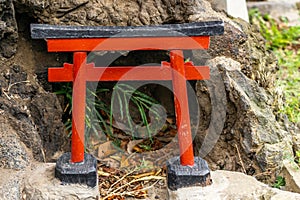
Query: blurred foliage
point(280, 182)
point(277, 35)
point(284, 41)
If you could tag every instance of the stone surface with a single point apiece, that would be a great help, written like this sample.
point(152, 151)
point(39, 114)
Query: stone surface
point(8, 29)
point(279, 9)
point(263, 142)
point(232, 186)
point(291, 174)
point(40, 183)
point(13, 153)
point(31, 116)
point(11, 184)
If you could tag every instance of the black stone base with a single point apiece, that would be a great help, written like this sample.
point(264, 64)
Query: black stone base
point(179, 176)
point(82, 173)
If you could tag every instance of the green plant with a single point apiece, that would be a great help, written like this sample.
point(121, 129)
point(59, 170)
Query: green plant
point(297, 157)
point(125, 94)
point(274, 35)
point(289, 80)
point(97, 111)
point(284, 41)
point(280, 181)
point(94, 120)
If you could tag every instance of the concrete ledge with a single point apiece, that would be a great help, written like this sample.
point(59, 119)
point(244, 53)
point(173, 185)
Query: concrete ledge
point(229, 186)
point(41, 184)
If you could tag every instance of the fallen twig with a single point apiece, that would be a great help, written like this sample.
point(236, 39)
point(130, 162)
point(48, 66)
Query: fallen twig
point(240, 158)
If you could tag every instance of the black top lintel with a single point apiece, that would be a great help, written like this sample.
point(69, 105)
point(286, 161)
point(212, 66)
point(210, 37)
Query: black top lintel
point(207, 28)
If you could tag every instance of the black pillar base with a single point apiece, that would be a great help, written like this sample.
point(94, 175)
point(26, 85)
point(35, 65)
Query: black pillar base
point(179, 176)
point(82, 173)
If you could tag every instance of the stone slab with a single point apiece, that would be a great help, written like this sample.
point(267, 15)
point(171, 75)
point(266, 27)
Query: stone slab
point(43, 31)
point(231, 186)
point(40, 183)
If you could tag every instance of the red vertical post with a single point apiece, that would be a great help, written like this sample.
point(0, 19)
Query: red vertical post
point(182, 108)
point(78, 107)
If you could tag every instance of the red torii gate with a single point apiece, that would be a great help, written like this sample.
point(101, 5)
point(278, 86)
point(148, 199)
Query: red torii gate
point(81, 40)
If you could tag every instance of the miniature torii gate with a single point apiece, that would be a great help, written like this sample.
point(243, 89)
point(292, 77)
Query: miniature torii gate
point(83, 39)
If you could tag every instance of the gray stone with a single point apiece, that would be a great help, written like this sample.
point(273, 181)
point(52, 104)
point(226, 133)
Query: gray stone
point(13, 153)
point(8, 29)
point(255, 124)
point(232, 186)
point(11, 184)
point(291, 174)
point(40, 184)
point(30, 115)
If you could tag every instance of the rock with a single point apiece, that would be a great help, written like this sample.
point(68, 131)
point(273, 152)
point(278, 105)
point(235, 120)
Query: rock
point(8, 29)
point(251, 133)
point(230, 186)
point(243, 43)
point(291, 174)
point(13, 153)
point(38, 126)
point(50, 126)
point(41, 184)
point(11, 184)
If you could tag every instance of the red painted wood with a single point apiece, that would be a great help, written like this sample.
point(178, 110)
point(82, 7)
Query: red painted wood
point(61, 74)
point(78, 107)
point(182, 109)
point(128, 73)
point(116, 44)
point(176, 70)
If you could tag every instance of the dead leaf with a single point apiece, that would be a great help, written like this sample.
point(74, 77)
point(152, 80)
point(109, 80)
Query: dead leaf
point(165, 139)
point(131, 144)
point(124, 162)
point(170, 120)
point(106, 149)
point(111, 162)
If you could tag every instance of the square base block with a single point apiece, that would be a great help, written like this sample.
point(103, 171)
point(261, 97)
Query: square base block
point(179, 176)
point(81, 173)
